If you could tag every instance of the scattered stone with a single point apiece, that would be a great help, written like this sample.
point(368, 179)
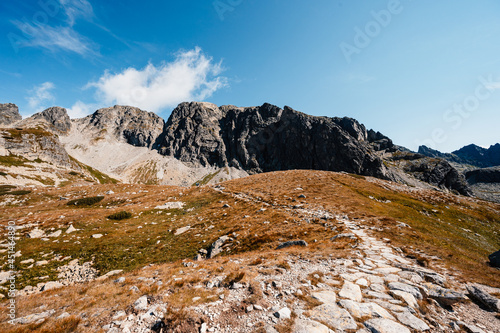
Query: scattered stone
point(51, 285)
point(226, 206)
point(27, 261)
point(406, 288)
point(110, 273)
point(348, 235)
point(216, 247)
point(325, 296)
point(365, 310)
point(283, 313)
point(309, 326)
point(35, 317)
point(412, 321)
point(481, 296)
point(141, 303)
point(302, 196)
point(406, 297)
point(63, 315)
point(382, 325)
point(41, 263)
point(471, 328)
point(96, 236)
point(292, 243)
point(55, 234)
point(445, 297)
point(70, 229)
point(171, 205)
point(333, 316)
point(36, 233)
point(351, 291)
point(182, 230)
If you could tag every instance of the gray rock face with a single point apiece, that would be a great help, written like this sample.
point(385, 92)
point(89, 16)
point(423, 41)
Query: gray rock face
point(436, 172)
point(137, 127)
point(56, 117)
point(482, 297)
point(267, 138)
point(9, 114)
point(216, 246)
point(35, 144)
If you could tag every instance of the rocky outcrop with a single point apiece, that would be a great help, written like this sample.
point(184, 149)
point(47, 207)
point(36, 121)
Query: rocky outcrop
point(9, 114)
point(435, 171)
point(33, 144)
point(56, 118)
point(137, 127)
point(267, 138)
point(486, 175)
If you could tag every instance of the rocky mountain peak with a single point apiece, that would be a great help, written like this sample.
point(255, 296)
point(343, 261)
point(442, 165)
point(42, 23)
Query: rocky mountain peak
point(56, 117)
point(9, 114)
point(138, 128)
point(267, 138)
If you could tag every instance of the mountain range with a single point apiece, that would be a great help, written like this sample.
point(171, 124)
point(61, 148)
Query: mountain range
point(203, 143)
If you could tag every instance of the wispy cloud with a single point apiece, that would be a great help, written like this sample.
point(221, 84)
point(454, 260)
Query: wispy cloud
point(77, 8)
point(39, 95)
point(63, 37)
point(55, 39)
point(191, 76)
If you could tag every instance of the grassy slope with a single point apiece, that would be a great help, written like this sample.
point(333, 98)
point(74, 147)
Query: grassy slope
point(460, 232)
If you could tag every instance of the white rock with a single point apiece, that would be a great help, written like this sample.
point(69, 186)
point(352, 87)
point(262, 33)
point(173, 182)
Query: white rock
point(36, 233)
point(365, 310)
point(182, 230)
point(406, 297)
point(309, 326)
point(141, 303)
point(52, 285)
point(96, 236)
point(284, 313)
point(171, 205)
point(381, 325)
point(55, 234)
point(333, 316)
point(351, 291)
point(412, 321)
point(325, 296)
point(70, 229)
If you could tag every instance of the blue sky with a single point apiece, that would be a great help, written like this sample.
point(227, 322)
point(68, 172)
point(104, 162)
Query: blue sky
point(421, 72)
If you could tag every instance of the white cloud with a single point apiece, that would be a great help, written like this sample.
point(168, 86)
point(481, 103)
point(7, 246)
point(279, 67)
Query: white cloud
point(191, 76)
point(39, 95)
point(81, 109)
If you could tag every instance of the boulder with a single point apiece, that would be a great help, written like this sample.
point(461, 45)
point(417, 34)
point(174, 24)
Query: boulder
point(333, 316)
point(382, 325)
point(292, 243)
point(309, 326)
point(351, 291)
point(495, 259)
point(481, 296)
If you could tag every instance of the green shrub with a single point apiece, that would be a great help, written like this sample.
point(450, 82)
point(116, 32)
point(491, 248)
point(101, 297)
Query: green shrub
point(88, 201)
point(120, 216)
